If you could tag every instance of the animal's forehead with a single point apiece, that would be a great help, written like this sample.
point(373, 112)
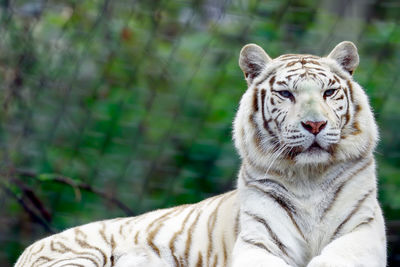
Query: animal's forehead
point(288, 57)
point(299, 61)
point(295, 68)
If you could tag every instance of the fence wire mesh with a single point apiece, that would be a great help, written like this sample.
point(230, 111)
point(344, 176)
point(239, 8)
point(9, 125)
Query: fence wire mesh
point(113, 108)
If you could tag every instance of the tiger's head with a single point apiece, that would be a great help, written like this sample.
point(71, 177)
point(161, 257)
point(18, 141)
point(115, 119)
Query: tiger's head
point(303, 109)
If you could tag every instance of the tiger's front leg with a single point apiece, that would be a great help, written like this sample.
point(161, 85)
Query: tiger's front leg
point(365, 246)
point(252, 253)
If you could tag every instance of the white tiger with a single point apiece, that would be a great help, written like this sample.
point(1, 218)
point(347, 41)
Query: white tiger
point(306, 191)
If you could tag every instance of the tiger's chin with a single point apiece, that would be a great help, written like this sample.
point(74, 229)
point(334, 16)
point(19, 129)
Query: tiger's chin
point(313, 155)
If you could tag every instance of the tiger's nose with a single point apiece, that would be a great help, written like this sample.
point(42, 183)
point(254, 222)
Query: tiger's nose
point(314, 127)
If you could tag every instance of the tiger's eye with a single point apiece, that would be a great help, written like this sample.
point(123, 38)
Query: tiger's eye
point(329, 92)
point(285, 93)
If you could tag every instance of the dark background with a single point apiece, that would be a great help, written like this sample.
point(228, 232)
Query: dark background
point(113, 108)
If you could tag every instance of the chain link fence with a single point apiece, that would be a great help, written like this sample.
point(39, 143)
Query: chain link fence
point(113, 108)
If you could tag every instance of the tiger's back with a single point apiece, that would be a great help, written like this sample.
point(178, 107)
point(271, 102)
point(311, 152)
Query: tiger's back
point(187, 235)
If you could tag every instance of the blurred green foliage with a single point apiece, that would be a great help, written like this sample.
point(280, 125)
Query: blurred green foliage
point(132, 101)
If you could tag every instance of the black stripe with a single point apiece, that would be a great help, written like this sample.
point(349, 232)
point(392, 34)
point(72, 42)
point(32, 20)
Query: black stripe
point(356, 126)
point(199, 260)
point(276, 93)
point(258, 135)
point(290, 76)
point(350, 86)
point(311, 62)
point(351, 214)
point(347, 114)
point(272, 81)
point(255, 100)
point(84, 244)
point(41, 258)
point(283, 201)
point(283, 119)
point(189, 237)
point(265, 182)
point(265, 121)
point(159, 222)
point(211, 227)
point(293, 70)
point(317, 69)
point(178, 233)
point(366, 222)
point(271, 233)
point(266, 76)
point(340, 97)
point(295, 136)
point(236, 227)
point(256, 243)
point(292, 63)
point(342, 185)
point(62, 248)
point(281, 83)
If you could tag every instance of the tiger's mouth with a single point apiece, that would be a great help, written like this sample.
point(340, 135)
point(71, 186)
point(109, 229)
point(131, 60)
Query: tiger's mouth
point(315, 153)
point(314, 147)
point(313, 150)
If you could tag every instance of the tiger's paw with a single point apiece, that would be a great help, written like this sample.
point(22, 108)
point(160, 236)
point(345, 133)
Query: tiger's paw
point(137, 257)
point(328, 262)
point(257, 259)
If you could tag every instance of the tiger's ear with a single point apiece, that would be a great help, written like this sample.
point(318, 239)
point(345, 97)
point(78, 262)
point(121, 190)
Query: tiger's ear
point(346, 55)
point(252, 61)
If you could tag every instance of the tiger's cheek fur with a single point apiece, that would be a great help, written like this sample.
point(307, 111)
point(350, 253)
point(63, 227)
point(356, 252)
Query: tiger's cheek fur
point(359, 133)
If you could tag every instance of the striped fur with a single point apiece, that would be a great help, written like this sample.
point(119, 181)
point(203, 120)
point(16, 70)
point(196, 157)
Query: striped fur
point(306, 191)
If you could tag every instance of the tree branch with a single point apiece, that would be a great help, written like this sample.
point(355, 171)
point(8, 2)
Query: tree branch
point(31, 213)
point(82, 186)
